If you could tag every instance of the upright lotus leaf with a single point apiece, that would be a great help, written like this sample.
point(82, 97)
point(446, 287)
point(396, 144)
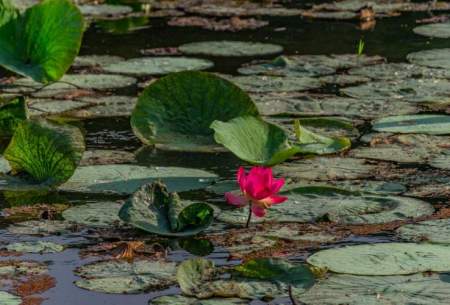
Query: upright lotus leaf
point(432, 124)
point(153, 209)
point(12, 113)
point(384, 259)
point(313, 143)
point(43, 41)
point(48, 152)
point(178, 109)
point(7, 11)
point(254, 140)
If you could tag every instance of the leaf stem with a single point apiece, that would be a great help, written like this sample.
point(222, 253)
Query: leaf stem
point(249, 215)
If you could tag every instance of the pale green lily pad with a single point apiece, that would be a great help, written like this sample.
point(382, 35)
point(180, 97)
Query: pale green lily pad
point(338, 289)
point(35, 247)
point(426, 124)
point(41, 227)
point(153, 209)
point(230, 48)
point(43, 107)
point(106, 156)
point(438, 30)
point(119, 276)
point(432, 231)
point(177, 110)
point(99, 214)
point(248, 243)
point(343, 80)
point(126, 179)
point(12, 112)
point(4, 165)
point(396, 71)
point(441, 161)
point(13, 268)
point(264, 84)
point(182, 300)
point(309, 204)
point(379, 6)
point(158, 65)
point(105, 107)
point(309, 65)
point(95, 60)
point(104, 10)
point(436, 58)
point(344, 15)
point(287, 233)
point(384, 259)
point(241, 9)
point(9, 299)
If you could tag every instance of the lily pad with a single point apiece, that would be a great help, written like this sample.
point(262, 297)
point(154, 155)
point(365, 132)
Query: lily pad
point(182, 300)
point(436, 58)
point(396, 71)
point(43, 107)
point(384, 259)
point(104, 10)
point(95, 60)
point(265, 84)
point(158, 65)
point(41, 227)
point(119, 276)
point(107, 106)
point(438, 30)
point(43, 41)
point(230, 48)
point(432, 124)
point(337, 289)
point(179, 109)
point(153, 209)
point(13, 268)
point(126, 179)
point(48, 152)
point(107, 156)
point(98, 214)
point(9, 299)
point(35, 247)
point(432, 231)
point(12, 113)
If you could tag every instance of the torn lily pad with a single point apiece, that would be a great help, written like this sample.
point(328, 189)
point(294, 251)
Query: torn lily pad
point(153, 209)
point(432, 124)
point(125, 179)
point(179, 109)
point(9, 299)
point(158, 65)
point(35, 247)
point(98, 214)
point(120, 276)
point(438, 30)
point(432, 231)
point(384, 259)
point(436, 58)
point(47, 152)
point(230, 48)
point(12, 113)
point(42, 26)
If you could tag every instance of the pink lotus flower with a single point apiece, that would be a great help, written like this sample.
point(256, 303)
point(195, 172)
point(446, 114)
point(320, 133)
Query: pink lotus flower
point(258, 188)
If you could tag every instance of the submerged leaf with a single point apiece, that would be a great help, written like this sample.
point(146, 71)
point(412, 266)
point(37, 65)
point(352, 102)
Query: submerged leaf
point(12, 113)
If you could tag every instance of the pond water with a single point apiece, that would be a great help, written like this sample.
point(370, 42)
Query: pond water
point(391, 37)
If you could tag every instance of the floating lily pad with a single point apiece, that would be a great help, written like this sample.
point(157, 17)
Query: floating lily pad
point(9, 299)
point(264, 84)
point(241, 9)
point(124, 25)
point(42, 107)
point(179, 109)
point(153, 209)
point(182, 300)
point(41, 227)
point(158, 65)
point(12, 113)
point(308, 204)
point(427, 124)
point(54, 28)
point(438, 30)
point(433, 231)
point(384, 259)
point(230, 48)
point(337, 289)
point(35, 247)
point(107, 106)
point(396, 71)
point(119, 276)
point(106, 156)
point(104, 10)
point(126, 179)
point(287, 233)
point(250, 243)
point(436, 58)
point(95, 60)
point(99, 214)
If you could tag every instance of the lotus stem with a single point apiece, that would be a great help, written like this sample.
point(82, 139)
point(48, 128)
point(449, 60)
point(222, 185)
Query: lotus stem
point(249, 215)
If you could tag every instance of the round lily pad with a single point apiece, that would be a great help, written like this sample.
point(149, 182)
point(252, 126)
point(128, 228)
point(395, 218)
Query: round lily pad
point(35, 247)
point(384, 259)
point(432, 124)
point(42, 107)
point(265, 84)
point(41, 227)
point(437, 58)
point(95, 60)
point(9, 299)
point(438, 30)
point(107, 106)
point(158, 65)
point(433, 231)
point(126, 179)
point(104, 10)
point(396, 71)
point(182, 300)
point(119, 276)
point(99, 214)
point(230, 48)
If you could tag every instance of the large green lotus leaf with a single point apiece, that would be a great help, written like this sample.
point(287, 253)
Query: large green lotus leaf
point(48, 152)
point(98, 214)
point(198, 278)
point(153, 209)
point(312, 203)
point(12, 113)
point(272, 269)
point(119, 276)
point(265, 84)
point(308, 65)
point(41, 227)
point(35, 247)
point(158, 65)
point(396, 71)
point(254, 140)
point(338, 289)
point(436, 58)
point(125, 179)
point(42, 42)
point(384, 259)
point(7, 11)
point(9, 299)
point(432, 124)
point(438, 30)
point(433, 231)
point(180, 108)
point(182, 300)
point(230, 48)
